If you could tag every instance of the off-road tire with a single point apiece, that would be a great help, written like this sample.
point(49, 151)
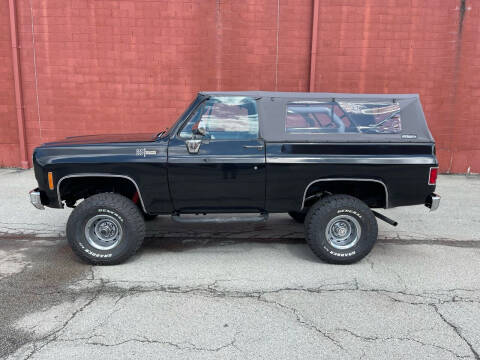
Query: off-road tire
point(328, 208)
point(298, 216)
point(127, 214)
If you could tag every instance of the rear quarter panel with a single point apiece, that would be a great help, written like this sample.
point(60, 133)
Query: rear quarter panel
point(403, 168)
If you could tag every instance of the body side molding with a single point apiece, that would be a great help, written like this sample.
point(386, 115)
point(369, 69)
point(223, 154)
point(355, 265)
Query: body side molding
point(345, 179)
point(79, 175)
point(333, 159)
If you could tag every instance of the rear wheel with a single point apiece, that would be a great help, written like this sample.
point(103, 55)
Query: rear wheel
point(105, 229)
point(341, 229)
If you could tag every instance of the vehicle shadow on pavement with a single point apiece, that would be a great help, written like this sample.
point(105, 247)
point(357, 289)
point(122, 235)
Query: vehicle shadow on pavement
point(169, 244)
point(163, 235)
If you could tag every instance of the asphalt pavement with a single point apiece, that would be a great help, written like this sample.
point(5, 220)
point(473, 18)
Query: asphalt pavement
point(244, 291)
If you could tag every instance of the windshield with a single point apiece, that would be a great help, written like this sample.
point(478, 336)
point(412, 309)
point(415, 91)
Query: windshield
point(187, 111)
point(225, 118)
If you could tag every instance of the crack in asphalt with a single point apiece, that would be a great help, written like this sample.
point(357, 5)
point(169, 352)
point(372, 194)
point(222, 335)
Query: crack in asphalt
point(432, 299)
point(457, 330)
point(393, 338)
point(429, 298)
point(304, 322)
point(145, 340)
point(179, 346)
point(89, 288)
point(186, 346)
point(51, 337)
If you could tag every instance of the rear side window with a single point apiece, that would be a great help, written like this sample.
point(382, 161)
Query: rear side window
point(225, 118)
point(309, 117)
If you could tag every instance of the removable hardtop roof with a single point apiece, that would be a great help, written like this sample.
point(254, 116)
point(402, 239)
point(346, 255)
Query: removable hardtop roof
point(272, 108)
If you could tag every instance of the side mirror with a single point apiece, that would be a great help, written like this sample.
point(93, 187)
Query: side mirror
point(198, 130)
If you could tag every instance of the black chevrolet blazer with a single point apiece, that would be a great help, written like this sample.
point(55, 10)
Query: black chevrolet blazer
point(326, 159)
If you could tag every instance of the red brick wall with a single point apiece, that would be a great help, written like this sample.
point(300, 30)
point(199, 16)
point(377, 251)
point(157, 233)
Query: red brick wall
point(463, 150)
point(132, 65)
point(9, 150)
point(397, 46)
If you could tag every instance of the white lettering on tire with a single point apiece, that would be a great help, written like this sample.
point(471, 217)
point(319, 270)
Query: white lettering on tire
point(90, 252)
point(110, 212)
point(349, 211)
point(351, 253)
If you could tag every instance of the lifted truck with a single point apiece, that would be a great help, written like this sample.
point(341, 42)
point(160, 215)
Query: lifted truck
point(326, 159)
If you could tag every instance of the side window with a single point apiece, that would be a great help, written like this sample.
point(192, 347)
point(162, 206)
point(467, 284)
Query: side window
point(374, 117)
point(342, 117)
point(225, 118)
point(314, 117)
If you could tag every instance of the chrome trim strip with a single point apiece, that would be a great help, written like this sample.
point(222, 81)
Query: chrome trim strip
point(355, 159)
point(346, 179)
point(201, 159)
point(258, 147)
point(348, 143)
point(99, 175)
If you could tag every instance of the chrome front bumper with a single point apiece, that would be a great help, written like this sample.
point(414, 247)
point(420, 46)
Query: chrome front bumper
point(36, 200)
point(433, 201)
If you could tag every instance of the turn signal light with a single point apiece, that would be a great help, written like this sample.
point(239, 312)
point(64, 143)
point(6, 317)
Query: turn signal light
point(50, 180)
point(432, 178)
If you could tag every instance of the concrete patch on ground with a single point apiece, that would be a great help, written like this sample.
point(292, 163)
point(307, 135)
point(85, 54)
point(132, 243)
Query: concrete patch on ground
point(11, 263)
point(36, 288)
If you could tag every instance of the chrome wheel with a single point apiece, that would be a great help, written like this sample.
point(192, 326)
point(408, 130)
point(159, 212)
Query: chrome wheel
point(343, 232)
point(103, 232)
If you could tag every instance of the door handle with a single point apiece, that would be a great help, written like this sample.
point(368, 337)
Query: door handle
point(258, 147)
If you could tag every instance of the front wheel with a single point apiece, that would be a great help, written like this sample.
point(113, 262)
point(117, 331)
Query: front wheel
point(341, 229)
point(105, 229)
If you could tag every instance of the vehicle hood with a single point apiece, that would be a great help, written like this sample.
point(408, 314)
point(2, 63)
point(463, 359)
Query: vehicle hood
point(103, 139)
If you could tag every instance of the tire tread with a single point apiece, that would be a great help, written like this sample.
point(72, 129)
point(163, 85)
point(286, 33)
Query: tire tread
point(323, 207)
point(114, 201)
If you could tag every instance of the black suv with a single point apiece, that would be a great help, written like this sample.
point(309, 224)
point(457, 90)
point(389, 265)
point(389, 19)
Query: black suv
point(326, 159)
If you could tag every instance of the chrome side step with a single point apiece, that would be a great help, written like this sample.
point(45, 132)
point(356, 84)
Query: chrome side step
point(187, 218)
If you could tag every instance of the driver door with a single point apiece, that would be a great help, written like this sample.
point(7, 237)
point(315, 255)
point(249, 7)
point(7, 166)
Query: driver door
point(216, 161)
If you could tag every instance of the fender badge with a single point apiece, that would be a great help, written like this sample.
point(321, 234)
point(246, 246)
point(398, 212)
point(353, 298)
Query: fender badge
point(144, 152)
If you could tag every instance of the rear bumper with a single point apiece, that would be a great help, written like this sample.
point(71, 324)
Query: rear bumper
point(36, 199)
point(433, 201)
